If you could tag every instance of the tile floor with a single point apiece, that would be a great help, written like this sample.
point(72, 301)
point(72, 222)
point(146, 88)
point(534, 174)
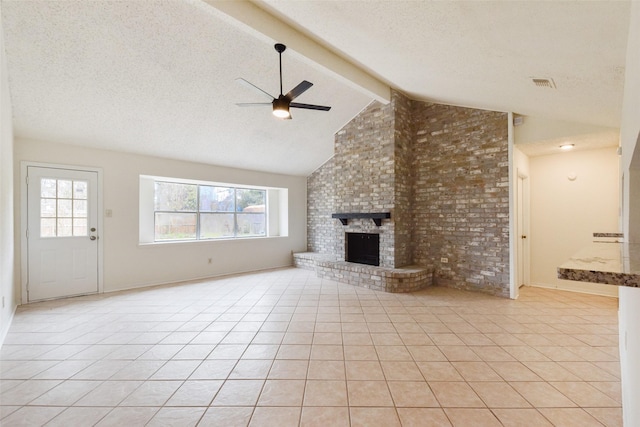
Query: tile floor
point(283, 348)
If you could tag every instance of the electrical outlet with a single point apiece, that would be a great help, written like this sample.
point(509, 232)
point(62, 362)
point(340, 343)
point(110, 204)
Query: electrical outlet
point(444, 260)
point(210, 260)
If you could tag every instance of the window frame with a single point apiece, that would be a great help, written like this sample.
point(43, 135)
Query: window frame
point(199, 212)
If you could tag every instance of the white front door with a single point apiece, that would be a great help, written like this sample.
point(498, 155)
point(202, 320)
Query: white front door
point(62, 235)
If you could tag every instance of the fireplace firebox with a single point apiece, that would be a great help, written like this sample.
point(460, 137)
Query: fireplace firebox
point(362, 248)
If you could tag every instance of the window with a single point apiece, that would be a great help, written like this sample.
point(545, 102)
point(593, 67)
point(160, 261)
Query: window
point(184, 211)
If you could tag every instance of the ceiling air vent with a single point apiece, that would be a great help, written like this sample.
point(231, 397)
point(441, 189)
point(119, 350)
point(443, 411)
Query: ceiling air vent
point(544, 83)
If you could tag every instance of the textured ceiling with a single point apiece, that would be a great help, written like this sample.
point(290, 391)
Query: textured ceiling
point(158, 77)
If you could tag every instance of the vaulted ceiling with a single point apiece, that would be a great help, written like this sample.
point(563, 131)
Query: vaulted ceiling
point(158, 77)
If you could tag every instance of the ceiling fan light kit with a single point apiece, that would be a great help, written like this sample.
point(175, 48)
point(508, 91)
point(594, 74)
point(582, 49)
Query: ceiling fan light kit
point(282, 103)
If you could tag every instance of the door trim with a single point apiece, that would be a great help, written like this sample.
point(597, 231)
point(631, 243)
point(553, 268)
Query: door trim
point(24, 256)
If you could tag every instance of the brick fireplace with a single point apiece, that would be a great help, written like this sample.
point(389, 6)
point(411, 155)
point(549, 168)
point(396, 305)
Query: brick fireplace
point(440, 173)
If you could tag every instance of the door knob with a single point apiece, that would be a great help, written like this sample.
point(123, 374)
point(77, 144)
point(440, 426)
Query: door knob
point(523, 236)
point(93, 238)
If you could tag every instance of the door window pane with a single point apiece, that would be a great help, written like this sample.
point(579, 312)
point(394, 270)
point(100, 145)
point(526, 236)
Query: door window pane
point(47, 227)
point(48, 187)
point(63, 207)
point(48, 208)
point(64, 227)
point(79, 226)
point(80, 189)
point(64, 189)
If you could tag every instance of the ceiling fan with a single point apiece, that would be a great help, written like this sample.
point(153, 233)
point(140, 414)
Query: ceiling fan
point(282, 103)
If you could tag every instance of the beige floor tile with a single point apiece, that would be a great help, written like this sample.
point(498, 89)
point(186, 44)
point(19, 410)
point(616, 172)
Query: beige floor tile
point(195, 393)
point(439, 371)
point(514, 371)
point(587, 371)
point(128, 416)
point(213, 370)
point(476, 371)
point(325, 416)
point(521, 418)
point(327, 352)
point(462, 417)
point(426, 353)
point(227, 351)
point(551, 371)
point(251, 369)
point(364, 370)
point(459, 353)
point(298, 338)
point(86, 416)
point(109, 393)
point(326, 370)
point(369, 393)
point(325, 393)
point(360, 352)
point(456, 395)
point(299, 348)
point(393, 352)
point(610, 417)
point(289, 369)
point(169, 416)
point(226, 416)
point(585, 395)
point(414, 394)
point(275, 417)
point(282, 393)
point(423, 417)
point(374, 417)
point(567, 417)
point(401, 371)
point(445, 339)
point(542, 395)
point(499, 395)
point(238, 393)
point(610, 388)
point(31, 416)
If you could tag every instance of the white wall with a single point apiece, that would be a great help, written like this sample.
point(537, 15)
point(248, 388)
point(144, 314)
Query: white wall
point(565, 213)
point(128, 264)
point(630, 297)
point(7, 275)
point(536, 129)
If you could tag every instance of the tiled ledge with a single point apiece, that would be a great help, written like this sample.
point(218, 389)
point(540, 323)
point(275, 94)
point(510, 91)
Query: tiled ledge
point(405, 279)
point(607, 263)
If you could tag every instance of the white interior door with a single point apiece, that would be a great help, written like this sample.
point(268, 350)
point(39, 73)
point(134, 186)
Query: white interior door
point(62, 235)
point(522, 216)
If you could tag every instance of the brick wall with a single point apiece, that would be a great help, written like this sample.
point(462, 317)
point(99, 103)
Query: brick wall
point(441, 171)
point(461, 196)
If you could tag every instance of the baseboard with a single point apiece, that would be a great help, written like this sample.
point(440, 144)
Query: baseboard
point(195, 279)
point(581, 287)
point(5, 330)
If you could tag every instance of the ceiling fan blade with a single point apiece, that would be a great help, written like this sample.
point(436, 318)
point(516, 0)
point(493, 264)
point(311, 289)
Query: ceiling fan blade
point(309, 106)
point(253, 104)
point(298, 90)
point(254, 88)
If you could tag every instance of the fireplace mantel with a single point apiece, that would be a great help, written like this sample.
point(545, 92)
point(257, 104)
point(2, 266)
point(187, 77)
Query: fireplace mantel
point(377, 217)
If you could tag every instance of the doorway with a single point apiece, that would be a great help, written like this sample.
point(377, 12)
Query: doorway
point(61, 250)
